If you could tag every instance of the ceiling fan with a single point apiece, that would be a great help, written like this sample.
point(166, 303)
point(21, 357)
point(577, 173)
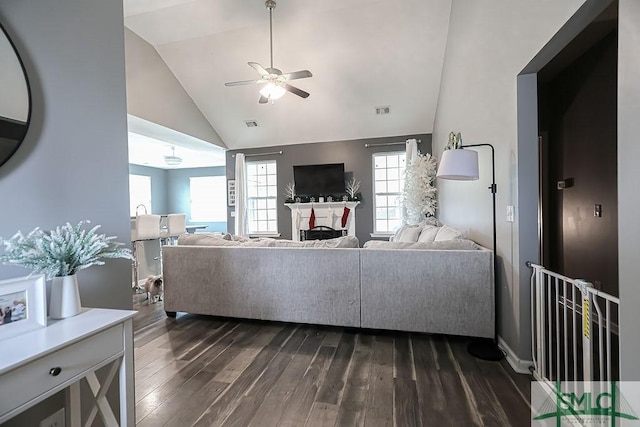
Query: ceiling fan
point(172, 159)
point(276, 82)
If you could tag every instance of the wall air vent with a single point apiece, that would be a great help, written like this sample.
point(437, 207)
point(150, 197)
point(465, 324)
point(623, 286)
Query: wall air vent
point(251, 123)
point(386, 109)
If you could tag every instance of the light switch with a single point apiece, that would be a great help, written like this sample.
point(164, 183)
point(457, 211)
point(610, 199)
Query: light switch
point(597, 210)
point(510, 213)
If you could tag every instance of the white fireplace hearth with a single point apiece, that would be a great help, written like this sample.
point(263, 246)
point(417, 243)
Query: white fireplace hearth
point(328, 214)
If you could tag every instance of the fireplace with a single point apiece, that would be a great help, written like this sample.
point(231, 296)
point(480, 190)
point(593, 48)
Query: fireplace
point(321, 233)
point(328, 214)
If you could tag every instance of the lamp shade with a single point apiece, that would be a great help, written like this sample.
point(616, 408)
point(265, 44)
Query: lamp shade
point(459, 164)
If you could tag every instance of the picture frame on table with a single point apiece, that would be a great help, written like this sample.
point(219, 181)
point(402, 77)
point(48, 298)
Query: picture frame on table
point(23, 305)
point(231, 192)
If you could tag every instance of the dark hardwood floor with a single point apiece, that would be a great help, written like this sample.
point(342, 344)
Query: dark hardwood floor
point(208, 371)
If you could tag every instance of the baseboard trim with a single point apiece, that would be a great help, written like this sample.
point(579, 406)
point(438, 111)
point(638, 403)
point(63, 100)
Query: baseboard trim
point(518, 365)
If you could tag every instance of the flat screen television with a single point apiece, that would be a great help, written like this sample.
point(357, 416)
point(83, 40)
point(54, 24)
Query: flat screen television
point(319, 180)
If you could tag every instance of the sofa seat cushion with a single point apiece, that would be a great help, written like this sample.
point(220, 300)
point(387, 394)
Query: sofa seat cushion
point(455, 245)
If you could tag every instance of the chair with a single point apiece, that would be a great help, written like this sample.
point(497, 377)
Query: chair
point(146, 227)
point(176, 225)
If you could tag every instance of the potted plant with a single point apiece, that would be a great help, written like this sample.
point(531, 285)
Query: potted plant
point(59, 254)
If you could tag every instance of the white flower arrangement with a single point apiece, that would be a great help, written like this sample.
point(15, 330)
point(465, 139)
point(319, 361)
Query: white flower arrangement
point(290, 191)
point(61, 252)
point(419, 192)
point(352, 186)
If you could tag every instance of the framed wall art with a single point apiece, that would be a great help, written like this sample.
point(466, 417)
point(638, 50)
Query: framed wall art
point(231, 192)
point(23, 305)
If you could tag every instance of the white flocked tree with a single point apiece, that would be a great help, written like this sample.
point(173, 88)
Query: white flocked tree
point(419, 192)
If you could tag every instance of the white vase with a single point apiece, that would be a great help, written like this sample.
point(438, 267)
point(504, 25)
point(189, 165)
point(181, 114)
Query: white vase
point(65, 297)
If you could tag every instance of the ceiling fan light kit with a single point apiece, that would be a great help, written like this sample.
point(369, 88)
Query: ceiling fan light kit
point(276, 82)
point(172, 160)
point(272, 91)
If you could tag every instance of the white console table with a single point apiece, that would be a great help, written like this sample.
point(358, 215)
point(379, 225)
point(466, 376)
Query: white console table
point(38, 364)
point(327, 213)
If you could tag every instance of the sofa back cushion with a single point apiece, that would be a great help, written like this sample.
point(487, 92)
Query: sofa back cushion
point(196, 239)
point(204, 239)
point(338, 242)
point(454, 245)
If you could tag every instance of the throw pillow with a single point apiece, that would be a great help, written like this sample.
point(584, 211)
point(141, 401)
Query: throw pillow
point(407, 233)
point(428, 233)
point(448, 233)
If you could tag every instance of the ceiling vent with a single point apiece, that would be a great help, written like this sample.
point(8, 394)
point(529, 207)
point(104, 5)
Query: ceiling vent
point(383, 110)
point(251, 123)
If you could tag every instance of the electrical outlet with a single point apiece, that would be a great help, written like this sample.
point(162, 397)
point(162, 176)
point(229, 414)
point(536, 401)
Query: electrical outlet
point(510, 214)
point(54, 420)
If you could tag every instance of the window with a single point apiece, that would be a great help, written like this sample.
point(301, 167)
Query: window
point(208, 198)
point(262, 192)
point(388, 183)
point(139, 194)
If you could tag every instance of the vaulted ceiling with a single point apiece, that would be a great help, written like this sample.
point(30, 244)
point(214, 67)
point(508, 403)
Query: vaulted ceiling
point(362, 53)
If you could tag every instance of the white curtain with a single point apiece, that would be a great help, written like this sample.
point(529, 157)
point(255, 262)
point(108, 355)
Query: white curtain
point(241, 222)
point(411, 150)
point(408, 216)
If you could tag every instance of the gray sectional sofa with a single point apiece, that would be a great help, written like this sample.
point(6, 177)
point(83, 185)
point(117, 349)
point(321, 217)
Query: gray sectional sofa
point(421, 290)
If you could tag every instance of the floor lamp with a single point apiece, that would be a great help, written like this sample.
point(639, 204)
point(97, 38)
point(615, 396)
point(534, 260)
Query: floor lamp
point(462, 165)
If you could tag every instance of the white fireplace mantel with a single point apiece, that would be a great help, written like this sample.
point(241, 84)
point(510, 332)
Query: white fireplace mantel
point(327, 213)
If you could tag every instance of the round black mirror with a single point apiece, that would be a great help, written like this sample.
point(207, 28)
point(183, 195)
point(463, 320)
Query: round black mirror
point(15, 99)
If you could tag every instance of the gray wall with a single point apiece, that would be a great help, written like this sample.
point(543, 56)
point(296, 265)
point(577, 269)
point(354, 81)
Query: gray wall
point(357, 163)
point(628, 195)
point(628, 152)
point(73, 163)
point(178, 193)
point(154, 93)
point(159, 196)
point(488, 45)
point(527, 169)
point(170, 190)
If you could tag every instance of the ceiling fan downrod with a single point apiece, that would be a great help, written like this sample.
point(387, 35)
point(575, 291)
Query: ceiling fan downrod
point(270, 4)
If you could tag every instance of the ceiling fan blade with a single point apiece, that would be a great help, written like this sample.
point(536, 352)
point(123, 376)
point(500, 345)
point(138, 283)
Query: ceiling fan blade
point(302, 74)
point(296, 91)
point(243, 82)
point(259, 68)
point(263, 100)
